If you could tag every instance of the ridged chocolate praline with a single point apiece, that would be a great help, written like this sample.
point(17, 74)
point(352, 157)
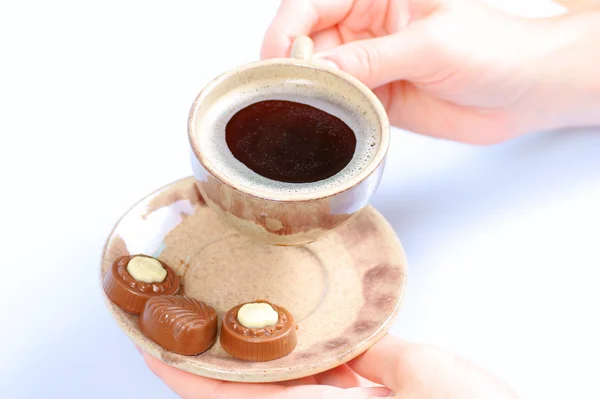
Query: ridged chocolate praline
point(179, 324)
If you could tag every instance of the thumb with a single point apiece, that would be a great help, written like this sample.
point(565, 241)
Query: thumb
point(381, 60)
point(420, 371)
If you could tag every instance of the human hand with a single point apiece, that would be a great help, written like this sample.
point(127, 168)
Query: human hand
point(454, 69)
point(407, 370)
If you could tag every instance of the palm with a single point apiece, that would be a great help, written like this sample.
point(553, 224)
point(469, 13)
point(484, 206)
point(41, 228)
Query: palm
point(456, 94)
point(340, 382)
point(360, 20)
point(442, 94)
point(409, 369)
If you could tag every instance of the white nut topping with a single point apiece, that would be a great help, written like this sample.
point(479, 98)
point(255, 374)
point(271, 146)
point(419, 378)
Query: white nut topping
point(146, 270)
point(257, 315)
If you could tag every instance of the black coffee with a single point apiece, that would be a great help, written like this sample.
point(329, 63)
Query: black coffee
point(290, 142)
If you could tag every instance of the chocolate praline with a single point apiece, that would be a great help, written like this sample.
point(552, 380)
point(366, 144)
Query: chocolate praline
point(258, 344)
point(130, 294)
point(179, 324)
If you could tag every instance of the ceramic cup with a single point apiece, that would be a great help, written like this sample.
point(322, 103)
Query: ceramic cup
point(275, 212)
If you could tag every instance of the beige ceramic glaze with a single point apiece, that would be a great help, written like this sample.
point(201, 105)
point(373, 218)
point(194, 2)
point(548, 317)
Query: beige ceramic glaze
point(344, 291)
point(285, 216)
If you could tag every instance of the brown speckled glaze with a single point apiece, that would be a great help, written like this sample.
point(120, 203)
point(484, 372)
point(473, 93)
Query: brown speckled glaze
point(288, 218)
point(343, 291)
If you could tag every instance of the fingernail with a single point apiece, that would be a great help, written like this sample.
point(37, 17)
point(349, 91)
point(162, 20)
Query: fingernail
point(324, 61)
point(389, 394)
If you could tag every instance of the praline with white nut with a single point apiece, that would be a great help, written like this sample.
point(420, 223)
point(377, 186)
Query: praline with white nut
point(134, 279)
point(258, 331)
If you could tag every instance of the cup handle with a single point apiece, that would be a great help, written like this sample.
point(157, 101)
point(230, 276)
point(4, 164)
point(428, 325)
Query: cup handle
point(302, 48)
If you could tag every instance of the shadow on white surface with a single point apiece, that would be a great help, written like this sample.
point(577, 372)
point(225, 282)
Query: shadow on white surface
point(83, 355)
point(502, 241)
point(488, 274)
point(499, 242)
point(460, 185)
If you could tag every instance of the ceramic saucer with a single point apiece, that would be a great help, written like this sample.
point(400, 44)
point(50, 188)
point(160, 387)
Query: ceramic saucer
point(344, 291)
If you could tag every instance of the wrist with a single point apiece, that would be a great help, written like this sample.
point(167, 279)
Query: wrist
point(567, 71)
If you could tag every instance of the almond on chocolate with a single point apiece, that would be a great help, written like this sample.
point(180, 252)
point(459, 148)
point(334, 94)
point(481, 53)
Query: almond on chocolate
point(152, 278)
point(258, 331)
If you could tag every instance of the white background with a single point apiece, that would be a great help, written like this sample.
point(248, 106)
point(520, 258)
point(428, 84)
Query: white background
point(502, 241)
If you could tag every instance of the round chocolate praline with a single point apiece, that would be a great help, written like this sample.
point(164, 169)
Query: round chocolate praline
point(130, 294)
point(258, 344)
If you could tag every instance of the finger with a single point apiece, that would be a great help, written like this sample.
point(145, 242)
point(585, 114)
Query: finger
point(340, 377)
point(185, 385)
point(384, 59)
point(326, 39)
point(385, 362)
point(384, 93)
point(300, 17)
point(412, 109)
point(189, 386)
point(425, 371)
point(233, 390)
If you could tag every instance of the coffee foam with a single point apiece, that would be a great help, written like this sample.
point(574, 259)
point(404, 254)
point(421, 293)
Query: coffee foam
point(359, 117)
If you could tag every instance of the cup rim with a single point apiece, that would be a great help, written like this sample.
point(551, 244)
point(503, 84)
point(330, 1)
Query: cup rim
point(299, 197)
